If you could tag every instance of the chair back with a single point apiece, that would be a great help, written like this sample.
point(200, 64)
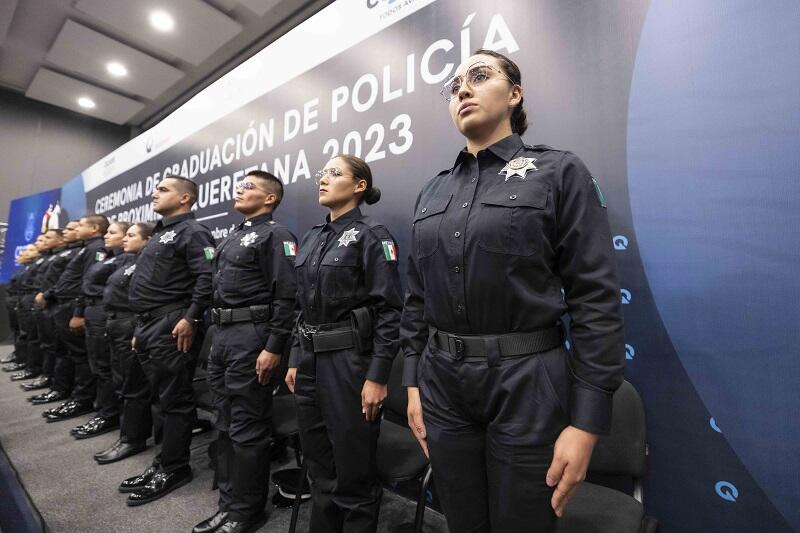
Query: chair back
point(623, 451)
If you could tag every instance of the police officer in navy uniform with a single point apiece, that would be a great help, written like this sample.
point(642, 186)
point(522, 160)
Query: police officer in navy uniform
point(170, 290)
point(254, 297)
point(509, 416)
point(94, 282)
point(50, 345)
point(12, 300)
point(29, 257)
point(51, 240)
point(349, 295)
point(130, 383)
point(67, 301)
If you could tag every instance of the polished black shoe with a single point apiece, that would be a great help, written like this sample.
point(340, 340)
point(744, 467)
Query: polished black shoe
point(161, 484)
point(211, 524)
point(71, 410)
point(119, 451)
point(249, 526)
point(101, 425)
point(42, 382)
point(132, 484)
point(25, 374)
point(84, 426)
point(55, 409)
point(10, 358)
point(13, 367)
point(48, 397)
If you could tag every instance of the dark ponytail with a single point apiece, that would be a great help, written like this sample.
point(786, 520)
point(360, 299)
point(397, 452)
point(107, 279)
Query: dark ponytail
point(145, 230)
point(519, 118)
point(361, 171)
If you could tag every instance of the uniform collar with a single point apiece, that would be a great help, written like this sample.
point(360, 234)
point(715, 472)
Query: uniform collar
point(260, 219)
point(339, 224)
point(506, 149)
point(169, 221)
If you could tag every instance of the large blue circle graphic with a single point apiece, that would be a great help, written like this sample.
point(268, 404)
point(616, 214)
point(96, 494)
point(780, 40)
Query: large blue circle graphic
point(714, 178)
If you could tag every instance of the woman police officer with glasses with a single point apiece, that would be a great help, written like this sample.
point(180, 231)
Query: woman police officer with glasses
point(350, 300)
point(504, 243)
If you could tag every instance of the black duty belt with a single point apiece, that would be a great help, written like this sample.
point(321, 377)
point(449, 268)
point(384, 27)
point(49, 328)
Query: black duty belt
point(327, 337)
point(119, 315)
point(160, 311)
point(495, 347)
point(254, 313)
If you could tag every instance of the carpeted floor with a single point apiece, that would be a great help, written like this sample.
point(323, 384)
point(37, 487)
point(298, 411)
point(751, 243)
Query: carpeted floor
point(75, 494)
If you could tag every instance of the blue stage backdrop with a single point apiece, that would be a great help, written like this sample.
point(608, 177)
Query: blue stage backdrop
point(687, 113)
point(26, 218)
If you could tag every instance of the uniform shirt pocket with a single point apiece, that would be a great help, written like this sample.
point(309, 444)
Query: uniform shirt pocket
point(427, 221)
point(511, 219)
point(340, 273)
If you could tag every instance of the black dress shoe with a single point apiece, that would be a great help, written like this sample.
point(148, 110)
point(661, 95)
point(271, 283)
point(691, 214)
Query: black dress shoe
point(48, 397)
point(118, 452)
point(25, 374)
point(13, 367)
point(109, 449)
point(55, 409)
point(249, 526)
point(132, 484)
point(71, 410)
point(101, 425)
point(84, 426)
point(10, 358)
point(211, 524)
point(161, 484)
point(42, 382)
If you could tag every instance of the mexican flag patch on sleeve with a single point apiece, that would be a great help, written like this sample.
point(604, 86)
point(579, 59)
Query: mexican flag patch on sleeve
point(389, 250)
point(208, 252)
point(289, 249)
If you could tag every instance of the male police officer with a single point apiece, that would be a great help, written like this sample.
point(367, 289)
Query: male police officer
point(254, 291)
point(69, 322)
point(27, 330)
point(50, 345)
point(48, 243)
point(169, 290)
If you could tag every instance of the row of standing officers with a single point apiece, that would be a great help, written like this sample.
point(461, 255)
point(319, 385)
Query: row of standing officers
point(504, 243)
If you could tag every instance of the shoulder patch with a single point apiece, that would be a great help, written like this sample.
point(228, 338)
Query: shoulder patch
point(289, 248)
point(99, 255)
point(208, 252)
point(600, 196)
point(389, 250)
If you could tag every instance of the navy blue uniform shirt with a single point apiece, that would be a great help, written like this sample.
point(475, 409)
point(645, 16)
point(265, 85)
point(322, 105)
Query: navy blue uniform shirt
point(174, 266)
point(115, 292)
point(345, 264)
point(254, 265)
point(491, 253)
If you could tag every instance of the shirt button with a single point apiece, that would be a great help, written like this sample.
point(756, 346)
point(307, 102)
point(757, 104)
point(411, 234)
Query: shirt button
point(424, 209)
point(512, 197)
point(465, 204)
point(314, 264)
point(457, 234)
point(459, 309)
point(335, 259)
point(472, 180)
point(457, 269)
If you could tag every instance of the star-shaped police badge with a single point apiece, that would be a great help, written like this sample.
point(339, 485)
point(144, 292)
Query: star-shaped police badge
point(249, 239)
point(519, 167)
point(128, 271)
point(348, 237)
point(167, 237)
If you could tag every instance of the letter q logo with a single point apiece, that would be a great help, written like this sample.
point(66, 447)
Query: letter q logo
point(620, 242)
point(626, 296)
point(727, 491)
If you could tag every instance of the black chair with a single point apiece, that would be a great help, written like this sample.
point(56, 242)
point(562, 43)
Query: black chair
point(619, 456)
point(399, 456)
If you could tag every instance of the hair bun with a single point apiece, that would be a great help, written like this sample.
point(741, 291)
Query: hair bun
point(373, 195)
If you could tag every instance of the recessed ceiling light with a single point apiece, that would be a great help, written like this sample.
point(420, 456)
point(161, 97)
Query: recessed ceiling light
point(161, 20)
point(116, 69)
point(86, 102)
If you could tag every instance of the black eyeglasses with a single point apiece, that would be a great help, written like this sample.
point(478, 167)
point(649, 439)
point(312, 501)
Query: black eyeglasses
point(476, 75)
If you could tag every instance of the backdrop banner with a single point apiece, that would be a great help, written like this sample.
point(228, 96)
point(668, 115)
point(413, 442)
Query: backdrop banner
point(686, 112)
